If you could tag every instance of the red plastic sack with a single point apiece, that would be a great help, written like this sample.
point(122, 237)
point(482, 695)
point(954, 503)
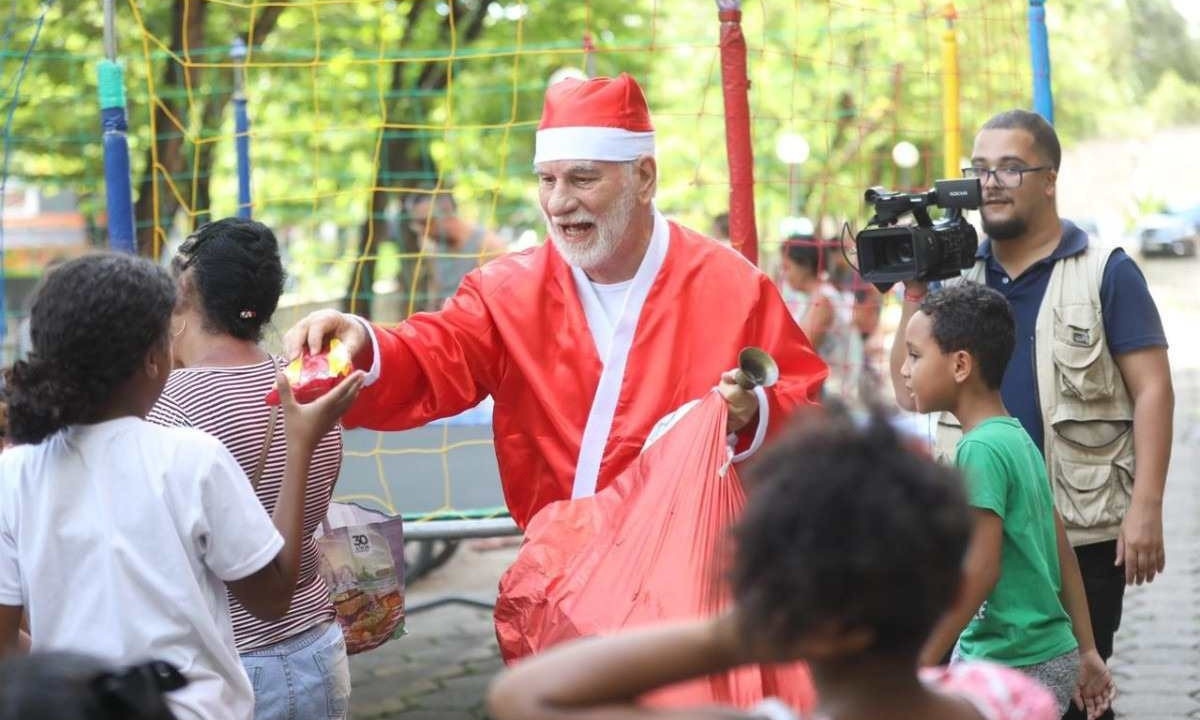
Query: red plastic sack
point(653, 546)
point(311, 376)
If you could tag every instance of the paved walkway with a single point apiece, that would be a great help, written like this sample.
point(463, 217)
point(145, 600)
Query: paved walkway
point(441, 669)
point(1157, 661)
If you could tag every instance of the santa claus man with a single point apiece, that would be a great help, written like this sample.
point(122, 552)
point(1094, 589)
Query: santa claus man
point(585, 342)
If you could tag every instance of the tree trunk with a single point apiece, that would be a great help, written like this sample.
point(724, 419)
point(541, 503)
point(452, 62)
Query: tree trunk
point(165, 154)
point(214, 109)
point(401, 155)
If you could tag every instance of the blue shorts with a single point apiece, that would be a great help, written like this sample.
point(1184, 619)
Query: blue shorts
point(305, 677)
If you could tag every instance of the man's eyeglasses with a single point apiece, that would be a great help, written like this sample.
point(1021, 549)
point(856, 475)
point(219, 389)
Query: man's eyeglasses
point(1009, 176)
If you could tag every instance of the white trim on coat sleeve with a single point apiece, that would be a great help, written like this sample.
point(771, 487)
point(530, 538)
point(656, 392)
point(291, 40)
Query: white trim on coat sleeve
point(373, 373)
point(760, 432)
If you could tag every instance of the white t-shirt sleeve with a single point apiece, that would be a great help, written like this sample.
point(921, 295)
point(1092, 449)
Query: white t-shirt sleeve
point(239, 538)
point(10, 570)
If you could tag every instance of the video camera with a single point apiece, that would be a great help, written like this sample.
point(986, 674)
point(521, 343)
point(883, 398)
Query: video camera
point(926, 251)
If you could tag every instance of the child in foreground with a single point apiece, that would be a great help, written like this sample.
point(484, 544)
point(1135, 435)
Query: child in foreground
point(119, 537)
point(71, 686)
point(849, 551)
point(1023, 603)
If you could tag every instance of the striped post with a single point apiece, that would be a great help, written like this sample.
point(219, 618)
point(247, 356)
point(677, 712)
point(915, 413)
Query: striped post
point(735, 84)
point(117, 185)
point(951, 125)
point(1039, 57)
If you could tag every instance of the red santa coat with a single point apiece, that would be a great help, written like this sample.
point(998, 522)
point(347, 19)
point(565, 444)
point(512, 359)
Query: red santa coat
point(517, 330)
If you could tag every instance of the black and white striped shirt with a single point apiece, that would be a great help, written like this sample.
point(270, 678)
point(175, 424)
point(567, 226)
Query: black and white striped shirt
point(227, 402)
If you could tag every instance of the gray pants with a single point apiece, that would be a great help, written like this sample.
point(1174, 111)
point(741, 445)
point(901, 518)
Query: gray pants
point(1058, 674)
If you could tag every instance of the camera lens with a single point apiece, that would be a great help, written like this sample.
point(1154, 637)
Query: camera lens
point(901, 251)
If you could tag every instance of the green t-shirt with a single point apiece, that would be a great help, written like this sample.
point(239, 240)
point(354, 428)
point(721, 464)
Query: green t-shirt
point(1023, 622)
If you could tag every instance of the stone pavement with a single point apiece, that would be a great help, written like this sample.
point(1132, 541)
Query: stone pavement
point(1157, 660)
point(440, 671)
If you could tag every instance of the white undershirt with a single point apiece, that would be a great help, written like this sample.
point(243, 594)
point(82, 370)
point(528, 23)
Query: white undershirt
point(612, 299)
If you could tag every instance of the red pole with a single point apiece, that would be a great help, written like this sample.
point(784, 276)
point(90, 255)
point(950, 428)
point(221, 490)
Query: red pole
point(740, 156)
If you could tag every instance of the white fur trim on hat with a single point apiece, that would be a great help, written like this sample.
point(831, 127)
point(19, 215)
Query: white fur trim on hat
point(591, 143)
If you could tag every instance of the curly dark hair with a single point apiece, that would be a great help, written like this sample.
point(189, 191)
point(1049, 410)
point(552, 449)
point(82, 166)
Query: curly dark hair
point(93, 321)
point(845, 523)
point(973, 317)
point(72, 686)
point(237, 275)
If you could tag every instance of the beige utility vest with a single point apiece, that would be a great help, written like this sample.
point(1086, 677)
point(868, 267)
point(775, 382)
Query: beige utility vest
point(1087, 414)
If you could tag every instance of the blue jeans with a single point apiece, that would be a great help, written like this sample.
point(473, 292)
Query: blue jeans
point(305, 677)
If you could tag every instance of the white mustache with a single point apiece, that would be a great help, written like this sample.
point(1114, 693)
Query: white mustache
point(574, 220)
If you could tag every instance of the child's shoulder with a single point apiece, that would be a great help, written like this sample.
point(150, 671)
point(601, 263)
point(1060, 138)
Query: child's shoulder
point(999, 693)
point(1001, 435)
point(174, 440)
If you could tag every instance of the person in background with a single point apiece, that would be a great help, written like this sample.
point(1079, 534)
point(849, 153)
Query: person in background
point(720, 229)
point(849, 550)
point(228, 280)
point(823, 313)
point(453, 246)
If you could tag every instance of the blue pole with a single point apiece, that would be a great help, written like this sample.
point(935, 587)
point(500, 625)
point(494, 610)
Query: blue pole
point(1039, 55)
point(117, 186)
point(241, 124)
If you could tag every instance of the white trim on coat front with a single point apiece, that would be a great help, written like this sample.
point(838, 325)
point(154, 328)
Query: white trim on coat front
point(604, 402)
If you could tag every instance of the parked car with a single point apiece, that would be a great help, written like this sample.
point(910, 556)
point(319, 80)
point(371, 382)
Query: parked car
point(1191, 215)
point(1165, 235)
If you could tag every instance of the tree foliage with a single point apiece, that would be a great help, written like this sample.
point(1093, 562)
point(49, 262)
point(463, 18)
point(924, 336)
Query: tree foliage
point(354, 103)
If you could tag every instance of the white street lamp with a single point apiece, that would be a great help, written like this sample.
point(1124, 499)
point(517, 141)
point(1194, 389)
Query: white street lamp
point(906, 156)
point(792, 149)
point(566, 72)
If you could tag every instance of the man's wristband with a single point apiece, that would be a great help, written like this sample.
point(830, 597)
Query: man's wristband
point(914, 297)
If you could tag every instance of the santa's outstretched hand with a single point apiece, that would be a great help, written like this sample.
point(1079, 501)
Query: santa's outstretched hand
point(743, 404)
point(314, 332)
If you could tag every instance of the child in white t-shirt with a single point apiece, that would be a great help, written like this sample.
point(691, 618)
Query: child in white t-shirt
point(118, 536)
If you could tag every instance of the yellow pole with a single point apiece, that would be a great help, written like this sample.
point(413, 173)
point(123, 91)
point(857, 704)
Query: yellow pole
point(951, 129)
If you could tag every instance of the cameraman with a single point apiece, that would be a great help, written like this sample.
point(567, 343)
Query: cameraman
point(1089, 378)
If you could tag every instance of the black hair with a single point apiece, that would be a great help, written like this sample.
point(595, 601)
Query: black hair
point(721, 225)
point(236, 274)
point(848, 524)
point(93, 321)
point(70, 686)
point(973, 317)
point(804, 250)
point(443, 198)
point(1045, 139)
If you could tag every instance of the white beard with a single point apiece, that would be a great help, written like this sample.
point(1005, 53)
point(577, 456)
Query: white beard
point(608, 234)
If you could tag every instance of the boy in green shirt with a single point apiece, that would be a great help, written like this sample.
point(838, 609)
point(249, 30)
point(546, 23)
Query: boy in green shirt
point(1022, 602)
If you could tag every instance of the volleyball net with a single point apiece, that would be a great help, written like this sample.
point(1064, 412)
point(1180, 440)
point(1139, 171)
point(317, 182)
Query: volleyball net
point(357, 128)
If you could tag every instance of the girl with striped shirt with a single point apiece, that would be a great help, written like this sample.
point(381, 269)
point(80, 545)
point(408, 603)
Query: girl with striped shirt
point(229, 279)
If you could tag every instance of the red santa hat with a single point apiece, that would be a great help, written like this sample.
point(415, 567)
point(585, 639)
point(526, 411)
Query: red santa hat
point(597, 119)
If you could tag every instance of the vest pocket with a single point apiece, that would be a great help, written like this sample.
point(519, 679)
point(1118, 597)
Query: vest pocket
point(1093, 471)
point(1078, 343)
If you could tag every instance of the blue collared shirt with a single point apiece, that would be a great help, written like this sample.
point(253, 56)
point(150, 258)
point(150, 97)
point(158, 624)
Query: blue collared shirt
point(1131, 320)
